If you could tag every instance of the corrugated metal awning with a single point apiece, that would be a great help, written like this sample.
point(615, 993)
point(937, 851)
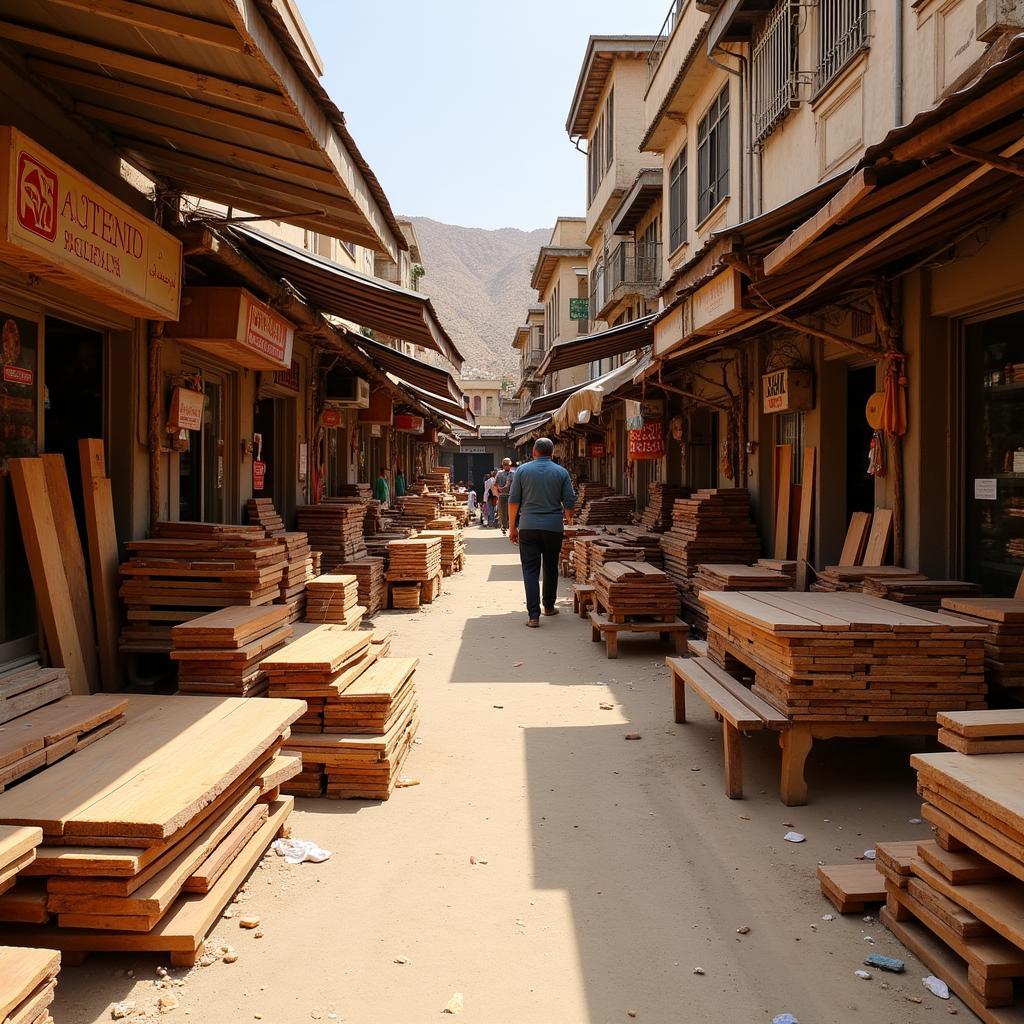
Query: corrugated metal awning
point(590, 348)
point(339, 291)
point(441, 404)
point(412, 371)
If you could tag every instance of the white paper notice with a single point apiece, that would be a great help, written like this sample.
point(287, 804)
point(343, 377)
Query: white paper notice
point(985, 490)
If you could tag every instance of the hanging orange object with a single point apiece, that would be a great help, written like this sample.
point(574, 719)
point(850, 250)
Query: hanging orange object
point(894, 407)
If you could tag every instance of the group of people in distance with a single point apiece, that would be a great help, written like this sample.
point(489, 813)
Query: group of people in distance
point(492, 502)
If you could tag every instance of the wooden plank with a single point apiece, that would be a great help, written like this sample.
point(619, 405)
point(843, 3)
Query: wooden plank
point(856, 883)
point(856, 539)
point(989, 724)
point(21, 972)
point(961, 867)
point(783, 477)
point(803, 539)
point(42, 547)
point(994, 609)
point(101, 538)
point(719, 699)
point(205, 876)
point(878, 539)
point(964, 745)
point(73, 557)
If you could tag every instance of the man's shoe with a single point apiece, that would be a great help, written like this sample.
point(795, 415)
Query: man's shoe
point(533, 623)
point(550, 611)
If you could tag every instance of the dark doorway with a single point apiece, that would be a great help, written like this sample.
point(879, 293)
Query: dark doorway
point(264, 424)
point(860, 486)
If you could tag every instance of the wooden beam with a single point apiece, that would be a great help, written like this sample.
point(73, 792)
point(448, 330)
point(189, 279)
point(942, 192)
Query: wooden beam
point(699, 399)
point(139, 95)
point(180, 26)
point(835, 211)
point(838, 339)
point(996, 162)
point(153, 70)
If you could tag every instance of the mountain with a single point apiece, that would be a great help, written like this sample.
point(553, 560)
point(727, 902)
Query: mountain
point(479, 282)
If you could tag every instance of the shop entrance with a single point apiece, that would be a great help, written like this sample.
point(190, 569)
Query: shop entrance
point(201, 468)
point(860, 486)
point(273, 421)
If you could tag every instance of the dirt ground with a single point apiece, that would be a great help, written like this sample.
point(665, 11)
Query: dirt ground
point(610, 877)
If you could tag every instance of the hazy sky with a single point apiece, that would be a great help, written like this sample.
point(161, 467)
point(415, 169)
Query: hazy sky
point(460, 105)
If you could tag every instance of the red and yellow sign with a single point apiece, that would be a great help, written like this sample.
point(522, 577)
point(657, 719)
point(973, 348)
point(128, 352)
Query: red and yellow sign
point(186, 412)
point(597, 450)
point(54, 222)
point(648, 442)
point(330, 418)
point(408, 424)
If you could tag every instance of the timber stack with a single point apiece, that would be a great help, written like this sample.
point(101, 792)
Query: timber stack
point(593, 550)
point(222, 653)
point(261, 512)
point(334, 597)
point(369, 574)
point(657, 516)
point(648, 542)
point(419, 509)
point(131, 863)
point(571, 533)
point(361, 718)
point(955, 900)
point(1003, 622)
point(453, 550)
point(588, 492)
point(926, 594)
point(417, 560)
point(727, 577)
point(335, 529)
point(298, 571)
point(615, 509)
point(29, 984)
point(438, 479)
point(188, 569)
point(626, 590)
point(847, 578)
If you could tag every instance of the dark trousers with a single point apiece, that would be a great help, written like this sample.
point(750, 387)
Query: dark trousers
point(537, 547)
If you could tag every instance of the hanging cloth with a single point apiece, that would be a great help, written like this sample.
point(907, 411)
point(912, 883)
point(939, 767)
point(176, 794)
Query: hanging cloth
point(894, 407)
point(876, 455)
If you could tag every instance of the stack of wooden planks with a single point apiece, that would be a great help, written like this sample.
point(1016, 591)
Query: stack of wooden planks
point(334, 597)
point(725, 576)
point(443, 522)
point(261, 512)
point(148, 833)
point(847, 578)
point(18, 845)
point(570, 534)
point(588, 492)
point(625, 590)
point(420, 507)
point(927, 594)
point(28, 687)
point(592, 552)
point(956, 900)
point(453, 508)
point(438, 479)
point(1003, 620)
point(335, 529)
point(187, 569)
point(414, 560)
point(713, 525)
point(649, 543)
point(846, 657)
point(28, 980)
point(361, 716)
point(222, 653)
point(298, 571)
point(657, 515)
point(616, 508)
point(453, 549)
point(369, 574)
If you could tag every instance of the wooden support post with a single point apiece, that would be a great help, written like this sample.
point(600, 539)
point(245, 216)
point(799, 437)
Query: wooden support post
point(796, 742)
point(731, 740)
point(156, 335)
point(678, 698)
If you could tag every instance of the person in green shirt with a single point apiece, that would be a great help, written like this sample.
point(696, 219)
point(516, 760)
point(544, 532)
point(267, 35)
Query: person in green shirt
point(381, 491)
point(399, 483)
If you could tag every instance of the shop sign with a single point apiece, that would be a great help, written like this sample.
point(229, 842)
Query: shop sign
point(233, 324)
point(330, 418)
point(717, 303)
point(408, 424)
point(648, 442)
point(597, 450)
point(786, 390)
point(303, 461)
point(58, 224)
point(986, 489)
point(259, 474)
point(288, 378)
point(18, 395)
point(579, 309)
point(380, 411)
point(376, 430)
point(186, 412)
point(668, 332)
point(473, 449)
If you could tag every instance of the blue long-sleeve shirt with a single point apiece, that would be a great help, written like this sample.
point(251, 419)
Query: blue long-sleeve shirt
point(541, 488)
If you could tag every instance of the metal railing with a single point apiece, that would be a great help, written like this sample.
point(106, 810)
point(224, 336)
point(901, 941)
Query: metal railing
point(532, 358)
point(637, 263)
point(842, 32)
point(674, 16)
point(597, 290)
point(773, 68)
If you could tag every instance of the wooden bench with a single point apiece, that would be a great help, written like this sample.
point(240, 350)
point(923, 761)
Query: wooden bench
point(602, 629)
point(582, 598)
point(738, 709)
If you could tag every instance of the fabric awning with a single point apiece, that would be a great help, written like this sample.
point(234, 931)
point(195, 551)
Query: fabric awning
point(219, 99)
point(339, 291)
point(589, 399)
point(455, 421)
point(522, 429)
point(410, 370)
point(590, 348)
point(549, 402)
point(442, 404)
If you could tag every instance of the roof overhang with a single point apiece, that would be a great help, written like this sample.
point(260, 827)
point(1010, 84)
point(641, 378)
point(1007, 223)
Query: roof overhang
point(443, 404)
point(409, 370)
point(642, 195)
point(591, 347)
point(350, 295)
point(735, 21)
point(598, 61)
point(547, 263)
point(551, 401)
point(587, 401)
point(220, 103)
point(524, 430)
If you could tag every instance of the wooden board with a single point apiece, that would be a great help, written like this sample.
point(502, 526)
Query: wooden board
point(42, 548)
point(856, 539)
point(323, 649)
point(990, 724)
point(963, 745)
point(806, 523)
point(783, 476)
point(152, 776)
point(958, 866)
point(21, 972)
point(878, 539)
point(851, 886)
point(995, 609)
point(73, 558)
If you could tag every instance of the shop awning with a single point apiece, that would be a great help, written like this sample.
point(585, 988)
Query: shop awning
point(522, 429)
point(455, 421)
point(410, 370)
point(442, 404)
point(590, 348)
point(551, 401)
point(339, 291)
point(219, 99)
point(588, 400)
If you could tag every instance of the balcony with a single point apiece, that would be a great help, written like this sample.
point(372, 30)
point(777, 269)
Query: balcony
point(598, 294)
point(675, 13)
point(532, 358)
point(633, 269)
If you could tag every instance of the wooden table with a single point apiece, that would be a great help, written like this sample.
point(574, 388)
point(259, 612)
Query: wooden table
point(843, 665)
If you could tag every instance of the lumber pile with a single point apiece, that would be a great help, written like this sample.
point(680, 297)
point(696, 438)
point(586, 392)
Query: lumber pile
point(847, 658)
point(1003, 621)
point(657, 516)
point(841, 578)
point(438, 479)
point(454, 509)
point(361, 717)
point(649, 543)
point(148, 834)
point(417, 559)
point(588, 492)
point(712, 525)
point(261, 512)
point(419, 509)
point(443, 522)
point(222, 652)
point(995, 731)
point(369, 574)
point(927, 594)
point(188, 569)
point(616, 508)
point(335, 529)
point(29, 981)
point(569, 536)
point(334, 597)
point(453, 550)
point(591, 552)
point(630, 589)
point(28, 687)
point(355, 491)
point(298, 571)
point(955, 902)
point(719, 576)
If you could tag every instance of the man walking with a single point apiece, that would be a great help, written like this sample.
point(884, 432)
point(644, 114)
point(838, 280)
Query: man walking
point(503, 483)
point(540, 491)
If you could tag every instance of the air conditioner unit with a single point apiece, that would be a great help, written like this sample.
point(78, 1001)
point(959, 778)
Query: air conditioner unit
point(346, 391)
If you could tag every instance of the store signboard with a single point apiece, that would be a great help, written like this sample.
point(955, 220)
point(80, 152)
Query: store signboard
point(19, 356)
point(288, 378)
point(717, 303)
point(259, 474)
point(330, 418)
point(597, 450)
point(186, 412)
point(786, 390)
point(408, 424)
point(59, 225)
point(579, 309)
point(648, 442)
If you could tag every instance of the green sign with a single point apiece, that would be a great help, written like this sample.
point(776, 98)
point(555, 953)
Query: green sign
point(579, 309)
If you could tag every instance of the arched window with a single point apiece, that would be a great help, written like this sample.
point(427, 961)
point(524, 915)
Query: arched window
point(476, 403)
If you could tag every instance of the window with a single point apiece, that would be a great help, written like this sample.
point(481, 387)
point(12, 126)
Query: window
point(476, 404)
point(842, 32)
point(596, 160)
point(609, 117)
point(713, 155)
point(490, 405)
point(677, 201)
point(773, 64)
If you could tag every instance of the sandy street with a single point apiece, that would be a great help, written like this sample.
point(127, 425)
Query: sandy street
point(606, 871)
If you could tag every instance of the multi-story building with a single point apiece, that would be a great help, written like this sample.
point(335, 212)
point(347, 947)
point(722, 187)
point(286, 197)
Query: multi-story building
point(528, 340)
point(483, 397)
